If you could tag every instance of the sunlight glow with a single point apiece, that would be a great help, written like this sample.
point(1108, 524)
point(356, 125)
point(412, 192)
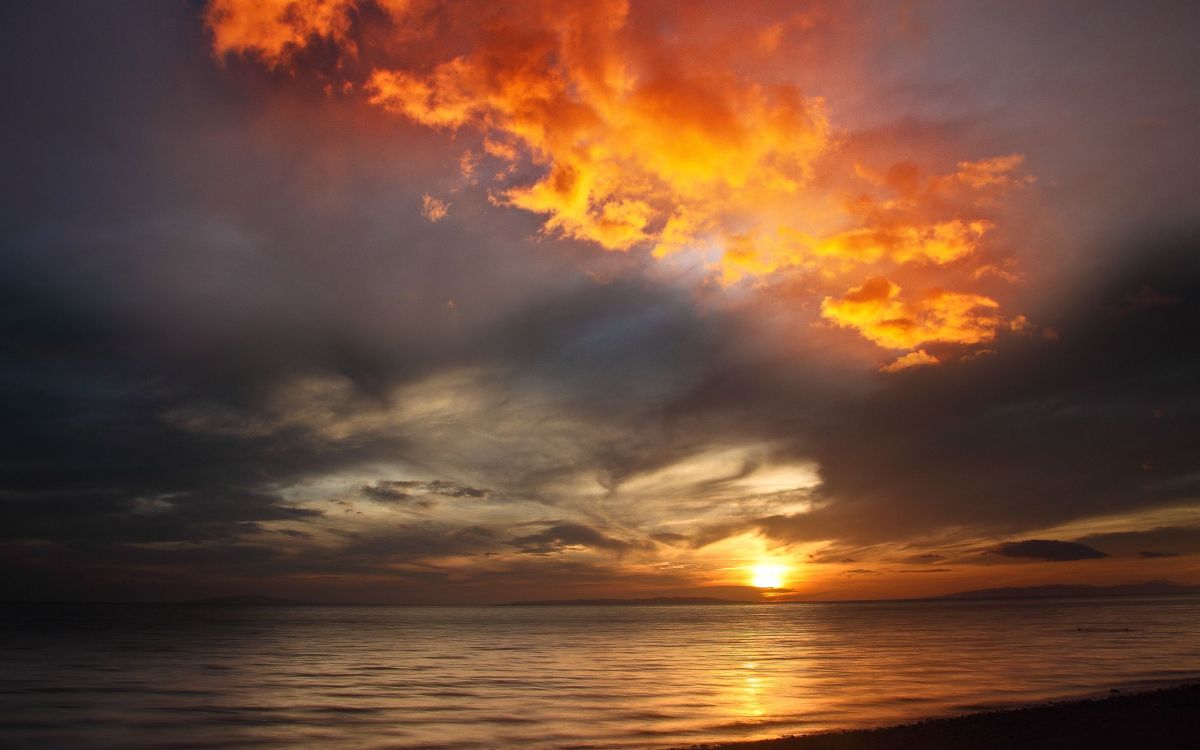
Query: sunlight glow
point(768, 575)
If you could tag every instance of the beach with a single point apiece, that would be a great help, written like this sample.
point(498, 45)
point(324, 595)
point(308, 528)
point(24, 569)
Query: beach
point(1168, 718)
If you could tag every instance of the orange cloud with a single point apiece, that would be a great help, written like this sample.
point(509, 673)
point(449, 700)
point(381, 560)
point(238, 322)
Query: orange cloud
point(434, 209)
point(877, 310)
point(276, 29)
point(637, 137)
point(633, 151)
point(919, 358)
point(995, 172)
point(897, 244)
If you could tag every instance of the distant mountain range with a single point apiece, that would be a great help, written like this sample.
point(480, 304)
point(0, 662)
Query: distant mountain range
point(250, 600)
point(1053, 591)
point(658, 601)
point(1149, 588)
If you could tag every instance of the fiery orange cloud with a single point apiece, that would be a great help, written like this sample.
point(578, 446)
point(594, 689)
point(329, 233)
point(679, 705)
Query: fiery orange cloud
point(274, 29)
point(898, 244)
point(659, 155)
point(879, 312)
point(641, 140)
point(919, 358)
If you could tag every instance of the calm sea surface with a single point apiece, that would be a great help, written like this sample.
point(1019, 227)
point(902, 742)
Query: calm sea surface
point(139, 676)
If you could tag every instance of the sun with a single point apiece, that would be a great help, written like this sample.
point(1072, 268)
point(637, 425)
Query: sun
point(768, 575)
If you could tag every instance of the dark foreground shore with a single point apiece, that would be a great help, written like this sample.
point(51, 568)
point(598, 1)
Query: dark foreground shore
point(1168, 718)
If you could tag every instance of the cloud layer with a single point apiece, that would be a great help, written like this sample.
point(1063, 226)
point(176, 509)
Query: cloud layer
point(623, 130)
point(263, 335)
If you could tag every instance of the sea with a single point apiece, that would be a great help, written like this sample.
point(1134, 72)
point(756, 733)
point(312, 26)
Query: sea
point(208, 676)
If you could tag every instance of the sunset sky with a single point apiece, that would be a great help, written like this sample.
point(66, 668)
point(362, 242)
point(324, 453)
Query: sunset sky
point(411, 301)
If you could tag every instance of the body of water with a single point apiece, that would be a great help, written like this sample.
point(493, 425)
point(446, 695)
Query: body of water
point(143, 676)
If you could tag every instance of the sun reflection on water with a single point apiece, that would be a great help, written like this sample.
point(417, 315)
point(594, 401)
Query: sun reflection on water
point(753, 687)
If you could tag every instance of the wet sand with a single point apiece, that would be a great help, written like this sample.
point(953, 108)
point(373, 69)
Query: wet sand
point(1168, 718)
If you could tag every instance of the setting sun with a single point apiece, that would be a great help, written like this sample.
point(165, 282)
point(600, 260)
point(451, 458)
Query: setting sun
point(768, 575)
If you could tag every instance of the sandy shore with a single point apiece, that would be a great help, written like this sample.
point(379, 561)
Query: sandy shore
point(1168, 718)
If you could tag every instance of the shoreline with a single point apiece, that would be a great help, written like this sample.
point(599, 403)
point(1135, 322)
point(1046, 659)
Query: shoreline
point(1166, 718)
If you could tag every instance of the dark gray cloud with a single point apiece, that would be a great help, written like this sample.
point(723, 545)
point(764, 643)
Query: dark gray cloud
point(418, 494)
point(1174, 539)
point(368, 551)
point(1099, 420)
point(1048, 550)
point(567, 535)
point(670, 538)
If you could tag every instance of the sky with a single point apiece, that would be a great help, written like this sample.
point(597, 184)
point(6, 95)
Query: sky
point(418, 302)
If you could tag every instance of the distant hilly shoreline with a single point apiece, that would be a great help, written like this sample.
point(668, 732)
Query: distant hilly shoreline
point(658, 601)
point(1065, 591)
point(252, 600)
point(1049, 591)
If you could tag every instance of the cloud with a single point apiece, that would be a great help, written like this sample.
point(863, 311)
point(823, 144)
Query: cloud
point(417, 493)
point(1146, 297)
point(667, 537)
point(878, 311)
point(1048, 550)
point(1178, 539)
point(993, 172)
point(416, 544)
point(589, 117)
point(276, 29)
point(224, 314)
point(918, 358)
point(925, 558)
point(110, 516)
point(434, 209)
point(943, 443)
point(564, 536)
point(632, 154)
